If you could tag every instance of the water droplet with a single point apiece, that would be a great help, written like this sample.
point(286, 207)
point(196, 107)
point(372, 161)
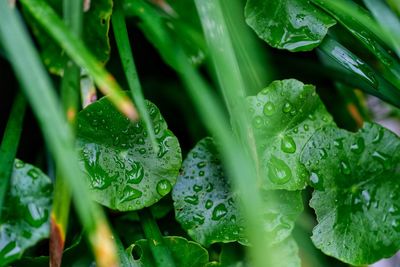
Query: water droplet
point(135, 174)
point(194, 200)
point(378, 137)
point(279, 172)
point(269, 109)
point(201, 164)
point(36, 215)
point(257, 122)
point(209, 187)
point(338, 143)
point(358, 146)
point(219, 212)
point(233, 219)
point(287, 107)
point(197, 188)
point(130, 194)
point(311, 117)
point(163, 187)
point(140, 141)
point(33, 173)
point(322, 153)
point(209, 204)
point(314, 179)
point(344, 168)
point(288, 145)
point(142, 150)
point(201, 173)
point(19, 164)
point(306, 127)
point(382, 158)
point(296, 130)
point(199, 218)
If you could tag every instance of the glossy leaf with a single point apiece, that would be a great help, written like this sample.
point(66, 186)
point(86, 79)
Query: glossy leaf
point(284, 117)
point(356, 177)
point(26, 214)
point(123, 170)
point(205, 205)
point(185, 253)
point(295, 25)
point(96, 21)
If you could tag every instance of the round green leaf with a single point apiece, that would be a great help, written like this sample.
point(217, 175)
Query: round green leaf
point(205, 205)
point(284, 116)
point(357, 196)
point(185, 253)
point(26, 212)
point(123, 170)
point(295, 25)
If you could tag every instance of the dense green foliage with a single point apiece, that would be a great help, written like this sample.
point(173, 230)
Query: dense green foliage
point(264, 147)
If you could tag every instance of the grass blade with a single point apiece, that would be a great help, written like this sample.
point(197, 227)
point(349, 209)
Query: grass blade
point(128, 63)
point(76, 50)
point(9, 144)
point(41, 95)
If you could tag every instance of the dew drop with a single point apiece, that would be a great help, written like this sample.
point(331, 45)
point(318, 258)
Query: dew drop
point(130, 194)
point(378, 137)
point(269, 109)
point(209, 204)
point(288, 145)
point(358, 146)
point(257, 122)
point(382, 158)
point(199, 218)
point(197, 188)
point(279, 172)
point(209, 187)
point(33, 173)
point(344, 168)
point(306, 127)
point(163, 187)
point(194, 200)
point(135, 174)
point(19, 164)
point(314, 179)
point(201, 164)
point(219, 212)
point(287, 107)
point(36, 215)
point(201, 173)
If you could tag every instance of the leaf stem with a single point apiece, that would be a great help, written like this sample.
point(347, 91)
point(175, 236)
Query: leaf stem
point(161, 253)
point(9, 144)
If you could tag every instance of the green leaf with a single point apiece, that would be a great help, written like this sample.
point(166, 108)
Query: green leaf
point(123, 170)
point(284, 117)
point(96, 23)
point(185, 253)
point(26, 212)
point(295, 25)
point(205, 205)
point(356, 177)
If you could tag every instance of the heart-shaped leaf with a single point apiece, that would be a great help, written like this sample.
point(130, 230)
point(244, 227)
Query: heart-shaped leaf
point(284, 116)
point(26, 213)
point(295, 25)
point(124, 172)
point(185, 253)
point(96, 24)
point(357, 196)
point(205, 205)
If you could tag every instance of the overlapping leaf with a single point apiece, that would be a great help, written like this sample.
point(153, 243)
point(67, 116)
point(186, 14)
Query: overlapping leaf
point(124, 172)
point(284, 116)
point(205, 205)
point(26, 213)
point(295, 25)
point(357, 197)
point(96, 21)
point(185, 253)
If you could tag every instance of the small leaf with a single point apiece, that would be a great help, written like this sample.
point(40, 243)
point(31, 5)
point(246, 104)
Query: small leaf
point(284, 116)
point(356, 177)
point(96, 23)
point(185, 253)
point(25, 219)
point(295, 25)
point(123, 170)
point(205, 205)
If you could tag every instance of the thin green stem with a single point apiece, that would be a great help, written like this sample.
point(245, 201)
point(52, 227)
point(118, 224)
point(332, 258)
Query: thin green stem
point(128, 63)
point(58, 135)
point(77, 51)
point(9, 144)
point(161, 254)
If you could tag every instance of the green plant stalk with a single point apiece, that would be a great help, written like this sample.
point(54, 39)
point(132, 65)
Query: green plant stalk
point(370, 41)
point(161, 254)
point(70, 83)
point(128, 63)
point(350, 62)
point(77, 51)
point(233, 87)
point(57, 133)
point(9, 144)
point(358, 14)
point(388, 21)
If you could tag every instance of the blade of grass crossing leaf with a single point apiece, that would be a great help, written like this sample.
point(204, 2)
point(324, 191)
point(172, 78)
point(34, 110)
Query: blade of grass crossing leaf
point(232, 86)
point(9, 144)
point(70, 83)
point(128, 63)
point(388, 20)
point(161, 254)
point(58, 135)
point(75, 48)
